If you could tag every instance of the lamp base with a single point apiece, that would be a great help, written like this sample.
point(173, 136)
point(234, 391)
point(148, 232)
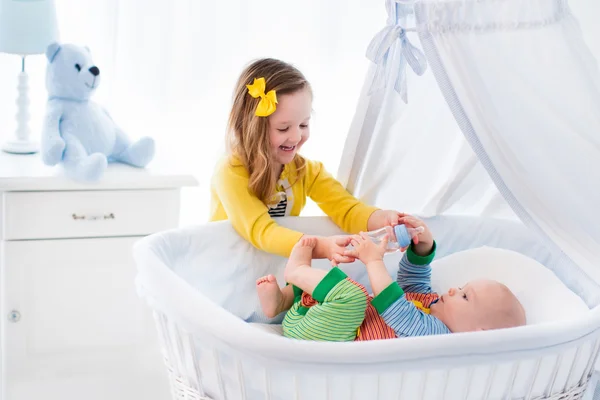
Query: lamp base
point(21, 144)
point(20, 147)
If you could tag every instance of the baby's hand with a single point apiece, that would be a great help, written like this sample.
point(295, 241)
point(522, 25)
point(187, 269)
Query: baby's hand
point(423, 242)
point(365, 250)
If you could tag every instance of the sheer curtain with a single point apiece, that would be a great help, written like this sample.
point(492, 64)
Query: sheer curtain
point(537, 134)
point(169, 68)
point(432, 169)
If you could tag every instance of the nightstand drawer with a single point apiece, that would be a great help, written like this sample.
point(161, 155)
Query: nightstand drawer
point(73, 214)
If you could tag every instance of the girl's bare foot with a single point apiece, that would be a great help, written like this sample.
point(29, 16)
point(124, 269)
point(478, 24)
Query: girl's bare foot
point(270, 296)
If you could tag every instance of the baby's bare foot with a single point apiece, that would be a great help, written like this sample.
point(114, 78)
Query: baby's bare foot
point(269, 295)
point(301, 256)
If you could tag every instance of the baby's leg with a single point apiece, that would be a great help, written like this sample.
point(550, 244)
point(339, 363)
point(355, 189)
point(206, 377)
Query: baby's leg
point(339, 311)
point(272, 299)
point(298, 271)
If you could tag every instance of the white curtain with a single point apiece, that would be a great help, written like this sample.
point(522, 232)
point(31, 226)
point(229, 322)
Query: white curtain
point(432, 169)
point(169, 68)
point(587, 12)
point(538, 135)
point(525, 90)
point(518, 83)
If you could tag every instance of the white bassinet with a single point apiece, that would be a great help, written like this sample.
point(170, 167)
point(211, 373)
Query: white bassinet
point(186, 274)
point(504, 122)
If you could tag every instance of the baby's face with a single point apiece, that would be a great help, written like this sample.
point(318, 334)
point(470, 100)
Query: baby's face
point(479, 305)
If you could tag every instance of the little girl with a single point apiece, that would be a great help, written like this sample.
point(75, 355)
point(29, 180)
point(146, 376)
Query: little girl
point(263, 177)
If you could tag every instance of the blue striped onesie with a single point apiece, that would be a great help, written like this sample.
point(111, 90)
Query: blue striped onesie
point(400, 314)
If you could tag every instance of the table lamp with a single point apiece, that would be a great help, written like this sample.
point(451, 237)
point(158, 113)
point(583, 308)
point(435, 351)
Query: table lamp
point(26, 27)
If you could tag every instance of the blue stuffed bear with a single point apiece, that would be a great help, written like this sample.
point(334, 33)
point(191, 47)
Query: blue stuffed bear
point(77, 131)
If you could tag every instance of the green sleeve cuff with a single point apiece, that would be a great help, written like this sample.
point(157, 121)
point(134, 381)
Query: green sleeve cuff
point(416, 259)
point(387, 297)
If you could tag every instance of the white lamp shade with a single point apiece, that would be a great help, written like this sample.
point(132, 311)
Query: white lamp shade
point(27, 26)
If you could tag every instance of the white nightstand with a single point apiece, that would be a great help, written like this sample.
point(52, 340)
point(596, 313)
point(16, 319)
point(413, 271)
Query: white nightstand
point(71, 324)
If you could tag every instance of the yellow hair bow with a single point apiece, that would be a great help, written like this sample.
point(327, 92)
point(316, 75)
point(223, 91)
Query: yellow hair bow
point(267, 104)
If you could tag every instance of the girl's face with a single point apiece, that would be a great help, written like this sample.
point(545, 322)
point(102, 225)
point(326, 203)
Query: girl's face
point(288, 125)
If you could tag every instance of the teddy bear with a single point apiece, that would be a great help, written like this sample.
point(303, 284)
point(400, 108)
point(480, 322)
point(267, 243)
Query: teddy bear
point(76, 130)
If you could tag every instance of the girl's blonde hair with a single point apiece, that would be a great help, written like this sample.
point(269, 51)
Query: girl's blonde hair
point(248, 135)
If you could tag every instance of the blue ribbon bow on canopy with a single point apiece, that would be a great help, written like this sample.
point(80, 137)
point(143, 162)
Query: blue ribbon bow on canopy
point(379, 52)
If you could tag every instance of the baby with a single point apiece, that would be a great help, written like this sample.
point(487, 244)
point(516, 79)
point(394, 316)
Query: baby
point(329, 306)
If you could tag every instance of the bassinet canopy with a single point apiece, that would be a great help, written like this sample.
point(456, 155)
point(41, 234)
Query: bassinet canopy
point(503, 122)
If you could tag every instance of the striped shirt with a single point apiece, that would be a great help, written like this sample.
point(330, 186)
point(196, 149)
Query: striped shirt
point(402, 315)
point(279, 209)
point(402, 309)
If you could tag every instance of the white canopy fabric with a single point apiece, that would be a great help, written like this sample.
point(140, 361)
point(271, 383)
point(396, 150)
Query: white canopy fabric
point(504, 122)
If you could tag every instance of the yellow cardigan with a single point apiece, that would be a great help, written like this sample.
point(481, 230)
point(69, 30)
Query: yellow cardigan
point(232, 199)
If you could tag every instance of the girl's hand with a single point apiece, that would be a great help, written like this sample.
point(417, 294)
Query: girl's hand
point(381, 218)
point(333, 248)
point(423, 242)
point(365, 250)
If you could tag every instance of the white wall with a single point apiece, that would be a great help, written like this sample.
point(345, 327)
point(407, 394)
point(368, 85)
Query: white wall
point(168, 68)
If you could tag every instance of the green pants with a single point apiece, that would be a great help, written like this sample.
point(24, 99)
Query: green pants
point(337, 316)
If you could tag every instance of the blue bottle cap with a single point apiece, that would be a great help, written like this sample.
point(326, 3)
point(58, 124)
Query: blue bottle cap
point(402, 235)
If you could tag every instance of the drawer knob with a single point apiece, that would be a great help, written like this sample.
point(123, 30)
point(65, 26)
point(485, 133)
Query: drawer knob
point(14, 316)
point(93, 217)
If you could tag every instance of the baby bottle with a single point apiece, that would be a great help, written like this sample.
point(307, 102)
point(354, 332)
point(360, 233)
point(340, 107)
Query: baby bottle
point(399, 236)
